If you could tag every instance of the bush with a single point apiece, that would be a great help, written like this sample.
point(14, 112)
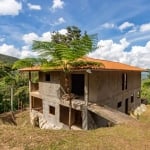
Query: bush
point(146, 90)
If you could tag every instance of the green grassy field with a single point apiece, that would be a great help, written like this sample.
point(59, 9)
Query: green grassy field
point(121, 137)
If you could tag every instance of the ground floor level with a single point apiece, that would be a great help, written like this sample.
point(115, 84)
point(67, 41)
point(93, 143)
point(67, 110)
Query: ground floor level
point(55, 114)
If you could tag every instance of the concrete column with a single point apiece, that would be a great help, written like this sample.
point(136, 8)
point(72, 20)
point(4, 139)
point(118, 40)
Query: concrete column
point(30, 102)
point(86, 89)
point(86, 98)
point(85, 118)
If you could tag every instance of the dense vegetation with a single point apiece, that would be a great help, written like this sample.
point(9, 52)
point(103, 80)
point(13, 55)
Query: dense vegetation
point(7, 59)
point(12, 80)
point(146, 89)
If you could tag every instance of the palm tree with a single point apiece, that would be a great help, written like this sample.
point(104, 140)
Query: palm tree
point(64, 50)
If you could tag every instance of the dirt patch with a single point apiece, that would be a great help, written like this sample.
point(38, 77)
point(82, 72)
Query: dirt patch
point(8, 118)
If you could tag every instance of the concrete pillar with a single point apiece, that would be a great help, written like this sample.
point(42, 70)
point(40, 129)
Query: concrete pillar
point(86, 89)
point(86, 98)
point(30, 102)
point(85, 118)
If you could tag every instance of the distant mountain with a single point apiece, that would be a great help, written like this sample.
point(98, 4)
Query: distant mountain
point(7, 59)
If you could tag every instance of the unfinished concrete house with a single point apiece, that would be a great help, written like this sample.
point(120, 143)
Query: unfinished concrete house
point(102, 95)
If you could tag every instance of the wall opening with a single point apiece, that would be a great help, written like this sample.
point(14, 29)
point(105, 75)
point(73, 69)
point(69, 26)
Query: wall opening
point(77, 84)
point(124, 81)
point(76, 116)
point(96, 121)
point(47, 77)
point(132, 98)
point(126, 106)
point(138, 94)
point(37, 104)
point(119, 104)
point(51, 110)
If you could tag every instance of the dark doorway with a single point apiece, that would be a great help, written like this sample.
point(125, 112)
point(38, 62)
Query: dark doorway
point(77, 84)
point(126, 106)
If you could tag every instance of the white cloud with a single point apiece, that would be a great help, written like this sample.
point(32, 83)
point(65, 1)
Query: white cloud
point(9, 50)
point(57, 4)
point(125, 25)
point(137, 56)
point(34, 7)
point(10, 7)
point(110, 50)
point(28, 38)
point(108, 25)
point(59, 21)
point(26, 52)
point(45, 36)
point(63, 31)
point(145, 27)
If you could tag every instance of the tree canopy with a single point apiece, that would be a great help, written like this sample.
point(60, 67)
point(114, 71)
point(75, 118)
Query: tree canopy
point(63, 49)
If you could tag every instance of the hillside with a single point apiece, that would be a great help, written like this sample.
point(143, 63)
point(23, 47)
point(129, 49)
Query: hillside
point(7, 59)
point(121, 137)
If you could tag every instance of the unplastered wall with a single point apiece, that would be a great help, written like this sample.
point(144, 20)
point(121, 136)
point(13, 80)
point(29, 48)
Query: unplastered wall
point(51, 118)
point(105, 88)
point(50, 92)
point(50, 88)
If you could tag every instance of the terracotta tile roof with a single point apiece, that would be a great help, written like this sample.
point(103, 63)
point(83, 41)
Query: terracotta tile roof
point(106, 65)
point(110, 65)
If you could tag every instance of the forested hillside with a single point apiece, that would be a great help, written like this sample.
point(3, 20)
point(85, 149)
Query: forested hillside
point(13, 85)
point(7, 59)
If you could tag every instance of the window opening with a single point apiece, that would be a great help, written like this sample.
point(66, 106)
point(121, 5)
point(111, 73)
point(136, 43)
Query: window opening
point(52, 110)
point(119, 104)
point(47, 77)
point(124, 81)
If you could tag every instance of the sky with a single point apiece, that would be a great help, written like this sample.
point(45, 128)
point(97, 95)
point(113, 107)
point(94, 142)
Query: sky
point(123, 26)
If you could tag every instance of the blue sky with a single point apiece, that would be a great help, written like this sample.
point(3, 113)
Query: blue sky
point(123, 26)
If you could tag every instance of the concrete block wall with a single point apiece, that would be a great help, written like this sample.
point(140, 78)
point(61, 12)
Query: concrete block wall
point(105, 88)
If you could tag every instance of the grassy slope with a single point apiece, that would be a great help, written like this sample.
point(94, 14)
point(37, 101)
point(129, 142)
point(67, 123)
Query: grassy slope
point(7, 59)
point(122, 137)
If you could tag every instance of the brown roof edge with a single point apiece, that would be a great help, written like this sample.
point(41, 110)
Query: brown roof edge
point(107, 65)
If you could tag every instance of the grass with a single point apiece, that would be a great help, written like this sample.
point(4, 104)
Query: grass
point(121, 137)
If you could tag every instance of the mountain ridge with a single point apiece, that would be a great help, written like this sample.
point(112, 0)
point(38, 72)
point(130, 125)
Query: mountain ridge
point(7, 59)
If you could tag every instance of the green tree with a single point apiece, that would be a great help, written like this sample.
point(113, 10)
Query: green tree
point(64, 50)
point(146, 90)
point(10, 81)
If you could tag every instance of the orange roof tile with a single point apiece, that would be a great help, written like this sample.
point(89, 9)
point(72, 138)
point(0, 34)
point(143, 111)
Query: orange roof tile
point(106, 65)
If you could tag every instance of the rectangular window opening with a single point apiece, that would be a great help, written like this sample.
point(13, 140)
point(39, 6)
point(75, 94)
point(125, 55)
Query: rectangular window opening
point(47, 77)
point(138, 94)
point(124, 81)
point(119, 104)
point(52, 110)
point(132, 98)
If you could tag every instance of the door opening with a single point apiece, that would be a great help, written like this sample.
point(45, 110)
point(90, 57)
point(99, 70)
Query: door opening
point(126, 106)
point(77, 84)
